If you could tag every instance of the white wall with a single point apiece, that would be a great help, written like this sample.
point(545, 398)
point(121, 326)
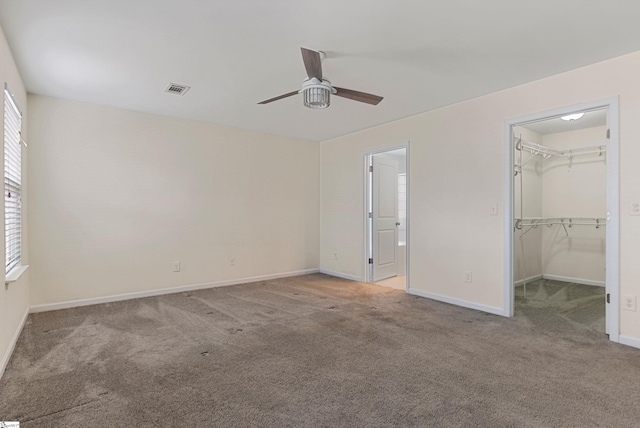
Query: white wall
point(119, 195)
point(456, 174)
point(575, 188)
point(14, 298)
point(531, 180)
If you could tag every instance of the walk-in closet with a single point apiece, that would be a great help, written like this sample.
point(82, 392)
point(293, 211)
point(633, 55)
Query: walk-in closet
point(560, 220)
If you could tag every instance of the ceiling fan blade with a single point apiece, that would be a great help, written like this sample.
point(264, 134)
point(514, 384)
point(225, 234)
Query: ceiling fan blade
point(312, 62)
point(279, 97)
point(363, 97)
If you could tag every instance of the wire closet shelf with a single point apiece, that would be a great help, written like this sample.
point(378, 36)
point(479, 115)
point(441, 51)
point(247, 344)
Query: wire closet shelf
point(536, 149)
point(546, 152)
point(564, 221)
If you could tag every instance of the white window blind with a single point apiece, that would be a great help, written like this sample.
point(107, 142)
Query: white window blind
point(12, 183)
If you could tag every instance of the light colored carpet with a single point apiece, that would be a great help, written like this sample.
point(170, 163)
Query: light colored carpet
point(399, 282)
point(313, 351)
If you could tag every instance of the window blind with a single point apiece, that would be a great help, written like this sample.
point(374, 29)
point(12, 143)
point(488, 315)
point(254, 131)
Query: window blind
point(12, 183)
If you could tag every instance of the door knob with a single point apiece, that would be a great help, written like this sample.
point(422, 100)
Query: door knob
point(397, 223)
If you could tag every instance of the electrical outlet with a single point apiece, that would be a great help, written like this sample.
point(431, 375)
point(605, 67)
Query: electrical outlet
point(629, 303)
point(232, 261)
point(176, 266)
point(468, 277)
point(335, 256)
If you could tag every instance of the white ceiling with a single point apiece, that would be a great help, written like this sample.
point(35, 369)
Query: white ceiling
point(419, 55)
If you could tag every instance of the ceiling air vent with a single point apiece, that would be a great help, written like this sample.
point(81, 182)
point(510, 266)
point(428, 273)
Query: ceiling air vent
point(175, 88)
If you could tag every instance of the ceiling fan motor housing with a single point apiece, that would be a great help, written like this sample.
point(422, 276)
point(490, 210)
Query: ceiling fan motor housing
point(317, 93)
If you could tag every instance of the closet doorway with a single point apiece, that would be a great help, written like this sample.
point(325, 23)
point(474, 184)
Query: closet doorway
point(563, 220)
point(386, 219)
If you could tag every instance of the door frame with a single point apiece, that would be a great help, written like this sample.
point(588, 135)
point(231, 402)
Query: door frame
point(367, 277)
point(612, 279)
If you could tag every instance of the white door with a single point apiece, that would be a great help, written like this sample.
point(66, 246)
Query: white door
point(385, 217)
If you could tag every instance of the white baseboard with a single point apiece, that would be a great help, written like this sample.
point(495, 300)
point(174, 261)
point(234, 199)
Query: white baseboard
point(341, 275)
point(529, 279)
point(563, 279)
point(139, 294)
point(12, 344)
point(629, 341)
point(457, 302)
point(576, 280)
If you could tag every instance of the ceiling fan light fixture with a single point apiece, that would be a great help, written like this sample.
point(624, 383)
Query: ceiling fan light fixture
point(316, 94)
point(316, 97)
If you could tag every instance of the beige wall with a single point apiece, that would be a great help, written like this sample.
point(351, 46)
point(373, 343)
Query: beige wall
point(118, 196)
point(456, 174)
point(14, 298)
point(575, 188)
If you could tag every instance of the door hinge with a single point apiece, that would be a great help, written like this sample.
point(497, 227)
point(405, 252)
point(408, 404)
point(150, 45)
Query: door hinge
point(370, 168)
point(370, 215)
point(370, 261)
point(608, 298)
point(608, 134)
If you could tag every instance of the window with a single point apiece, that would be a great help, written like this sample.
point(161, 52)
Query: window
point(12, 183)
point(402, 209)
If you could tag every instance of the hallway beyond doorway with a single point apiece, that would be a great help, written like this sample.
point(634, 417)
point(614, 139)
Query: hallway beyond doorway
point(398, 282)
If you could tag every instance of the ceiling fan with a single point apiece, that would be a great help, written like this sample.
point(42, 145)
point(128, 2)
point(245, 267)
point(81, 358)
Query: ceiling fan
point(317, 90)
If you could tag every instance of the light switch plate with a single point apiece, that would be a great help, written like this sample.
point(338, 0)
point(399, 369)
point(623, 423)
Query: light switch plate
point(494, 209)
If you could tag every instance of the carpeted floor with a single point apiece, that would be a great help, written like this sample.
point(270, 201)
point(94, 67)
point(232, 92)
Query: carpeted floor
point(550, 302)
point(313, 351)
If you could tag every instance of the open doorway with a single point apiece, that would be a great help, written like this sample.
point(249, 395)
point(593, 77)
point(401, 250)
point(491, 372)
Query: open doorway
point(387, 219)
point(563, 218)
